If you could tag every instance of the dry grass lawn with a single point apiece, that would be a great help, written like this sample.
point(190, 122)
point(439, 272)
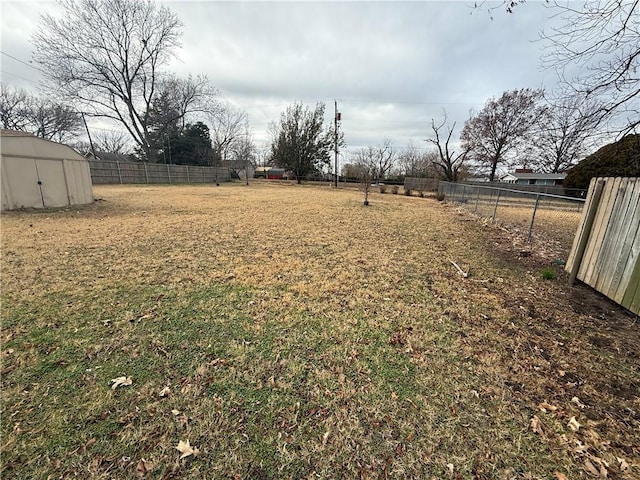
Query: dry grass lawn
point(290, 332)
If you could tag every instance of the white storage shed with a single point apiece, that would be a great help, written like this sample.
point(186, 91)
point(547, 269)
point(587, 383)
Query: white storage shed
point(39, 173)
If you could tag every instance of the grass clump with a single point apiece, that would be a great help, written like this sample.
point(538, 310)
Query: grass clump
point(548, 273)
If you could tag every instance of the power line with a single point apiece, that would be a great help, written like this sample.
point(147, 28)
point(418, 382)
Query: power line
point(21, 61)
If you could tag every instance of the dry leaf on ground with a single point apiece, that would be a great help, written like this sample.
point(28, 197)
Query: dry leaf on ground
point(560, 476)
point(143, 468)
point(573, 424)
point(623, 464)
point(121, 382)
point(186, 450)
point(165, 392)
point(536, 425)
point(577, 401)
point(544, 406)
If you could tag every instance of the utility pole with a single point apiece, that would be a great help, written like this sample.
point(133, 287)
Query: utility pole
point(336, 118)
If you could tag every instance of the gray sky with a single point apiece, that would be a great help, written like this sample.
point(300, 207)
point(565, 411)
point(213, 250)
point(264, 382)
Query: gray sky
point(392, 66)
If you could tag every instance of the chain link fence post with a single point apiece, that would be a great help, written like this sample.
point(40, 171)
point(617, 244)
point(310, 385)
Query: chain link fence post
point(533, 217)
point(495, 208)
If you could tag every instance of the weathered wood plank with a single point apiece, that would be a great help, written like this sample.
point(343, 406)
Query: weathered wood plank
point(582, 227)
point(600, 225)
point(615, 237)
point(627, 278)
point(629, 242)
point(631, 299)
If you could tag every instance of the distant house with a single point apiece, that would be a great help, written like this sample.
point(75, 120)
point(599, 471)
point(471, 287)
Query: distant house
point(272, 173)
point(526, 176)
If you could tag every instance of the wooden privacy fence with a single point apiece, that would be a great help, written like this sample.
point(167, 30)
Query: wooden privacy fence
point(131, 172)
point(606, 248)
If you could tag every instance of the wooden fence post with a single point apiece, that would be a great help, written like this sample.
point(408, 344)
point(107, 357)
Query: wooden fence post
point(586, 231)
point(119, 173)
point(168, 173)
point(146, 173)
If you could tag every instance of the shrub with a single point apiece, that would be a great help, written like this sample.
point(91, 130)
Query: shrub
point(421, 193)
point(383, 189)
point(440, 196)
point(407, 192)
point(394, 189)
point(619, 159)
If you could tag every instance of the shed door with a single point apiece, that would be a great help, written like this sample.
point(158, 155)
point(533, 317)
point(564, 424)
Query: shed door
point(52, 182)
point(23, 182)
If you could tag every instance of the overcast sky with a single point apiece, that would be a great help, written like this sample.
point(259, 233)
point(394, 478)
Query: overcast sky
point(392, 66)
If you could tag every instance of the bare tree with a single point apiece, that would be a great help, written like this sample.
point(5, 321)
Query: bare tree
point(13, 108)
point(604, 37)
point(228, 126)
point(112, 141)
point(385, 157)
point(414, 162)
point(501, 127)
point(366, 162)
point(563, 133)
point(447, 162)
point(107, 56)
point(245, 153)
point(53, 121)
point(601, 38)
point(37, 115)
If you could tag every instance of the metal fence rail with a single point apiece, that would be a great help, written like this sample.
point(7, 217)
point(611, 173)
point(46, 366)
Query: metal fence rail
point(552, 216)
point(106, 172)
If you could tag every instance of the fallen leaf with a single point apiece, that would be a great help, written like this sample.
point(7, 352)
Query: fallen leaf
point(536, 425)
point(165, 392)
point(544, 406)
point(186, 450)
point(590, 468)
point(450, 467)
point(577, 401)
point(560, 476)
point(121, 382)
point(325, 437)
point(573, 424)
point(623, 464)
point(142, 468)
point(175, 412)
point(581, 448)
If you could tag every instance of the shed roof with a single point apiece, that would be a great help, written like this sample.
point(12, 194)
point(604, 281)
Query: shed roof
point(21, 144)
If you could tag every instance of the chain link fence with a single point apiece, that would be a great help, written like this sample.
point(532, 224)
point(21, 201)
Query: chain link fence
point(535, 214)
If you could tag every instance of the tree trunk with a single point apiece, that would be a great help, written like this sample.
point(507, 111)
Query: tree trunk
point(494, 165)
